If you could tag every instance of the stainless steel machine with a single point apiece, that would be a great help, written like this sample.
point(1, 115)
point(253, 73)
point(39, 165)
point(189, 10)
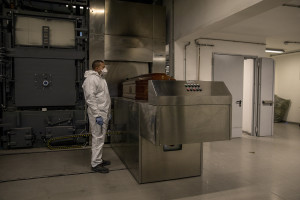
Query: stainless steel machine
point(161, 138)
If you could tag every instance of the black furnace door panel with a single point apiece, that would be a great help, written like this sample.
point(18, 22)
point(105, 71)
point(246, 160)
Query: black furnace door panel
point(44, 82)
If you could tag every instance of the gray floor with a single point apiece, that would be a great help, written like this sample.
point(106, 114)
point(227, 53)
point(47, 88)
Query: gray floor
point(246, 168)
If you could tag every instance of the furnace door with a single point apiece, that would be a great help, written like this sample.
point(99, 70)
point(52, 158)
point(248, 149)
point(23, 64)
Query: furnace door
point(230, 69)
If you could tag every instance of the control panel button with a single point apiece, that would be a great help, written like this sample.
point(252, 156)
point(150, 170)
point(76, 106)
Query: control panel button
point(192, 87)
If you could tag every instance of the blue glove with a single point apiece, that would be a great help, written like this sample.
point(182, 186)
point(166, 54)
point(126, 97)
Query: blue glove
point(99, 120)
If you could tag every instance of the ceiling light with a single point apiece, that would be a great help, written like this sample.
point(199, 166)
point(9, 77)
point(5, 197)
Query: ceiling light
point(274, 50)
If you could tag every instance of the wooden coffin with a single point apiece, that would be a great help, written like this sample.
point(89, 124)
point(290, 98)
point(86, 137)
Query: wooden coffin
point(137, 87)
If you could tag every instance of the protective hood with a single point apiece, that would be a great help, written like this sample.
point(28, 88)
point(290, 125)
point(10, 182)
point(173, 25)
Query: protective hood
point(90, 72)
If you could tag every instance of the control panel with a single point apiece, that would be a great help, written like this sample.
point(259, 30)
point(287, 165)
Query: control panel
point(190, 92)
point(192, 87)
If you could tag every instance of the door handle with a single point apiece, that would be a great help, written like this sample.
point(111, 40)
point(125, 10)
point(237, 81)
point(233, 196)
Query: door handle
point(267, 102)
point(239, 102)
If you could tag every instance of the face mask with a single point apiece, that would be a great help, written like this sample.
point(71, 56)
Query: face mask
point(104, 72)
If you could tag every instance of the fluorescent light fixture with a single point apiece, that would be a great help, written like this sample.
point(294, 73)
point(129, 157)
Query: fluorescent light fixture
point(97, 11)
point(274, 50)
point(67, 6)
point(81, 7)
point(74, 6)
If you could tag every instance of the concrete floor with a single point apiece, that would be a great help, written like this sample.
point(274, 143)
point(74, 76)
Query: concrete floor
point(247, 168)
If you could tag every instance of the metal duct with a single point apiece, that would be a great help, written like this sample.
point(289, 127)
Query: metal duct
point(96, 31)
point(134, 32)
point(135, 39)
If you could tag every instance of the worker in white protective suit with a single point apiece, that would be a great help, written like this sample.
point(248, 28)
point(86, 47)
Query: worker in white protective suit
point(98, 101)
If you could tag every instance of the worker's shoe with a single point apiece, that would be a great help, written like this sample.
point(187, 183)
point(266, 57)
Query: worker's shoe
point(100, 168)
point(105, 162)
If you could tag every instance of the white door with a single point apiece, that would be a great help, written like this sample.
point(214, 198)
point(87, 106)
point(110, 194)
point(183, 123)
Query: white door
point(248, 96)
point(265, 97)
point(230, 69)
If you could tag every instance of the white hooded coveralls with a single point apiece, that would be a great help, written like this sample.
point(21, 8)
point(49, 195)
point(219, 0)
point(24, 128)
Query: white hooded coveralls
point(98, 100)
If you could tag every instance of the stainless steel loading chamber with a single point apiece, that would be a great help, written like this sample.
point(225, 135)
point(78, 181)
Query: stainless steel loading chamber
point(161, 139)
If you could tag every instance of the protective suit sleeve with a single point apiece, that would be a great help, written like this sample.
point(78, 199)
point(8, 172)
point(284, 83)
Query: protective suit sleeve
point(90, 89)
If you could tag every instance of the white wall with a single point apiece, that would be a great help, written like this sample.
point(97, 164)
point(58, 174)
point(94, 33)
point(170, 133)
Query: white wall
point(248, 95)
point(204, 18)
point(206, 53)
point(197, 18)
point(287, 83)
point(191, 61)
point(179, 61)
point(192, 15)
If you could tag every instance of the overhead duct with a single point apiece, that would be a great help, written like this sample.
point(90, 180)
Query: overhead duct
point(291, 5)
point(290, 42)
point(134, 32)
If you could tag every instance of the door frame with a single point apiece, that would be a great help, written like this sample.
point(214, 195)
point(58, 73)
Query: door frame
point(255, 90)
point(254, 94)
